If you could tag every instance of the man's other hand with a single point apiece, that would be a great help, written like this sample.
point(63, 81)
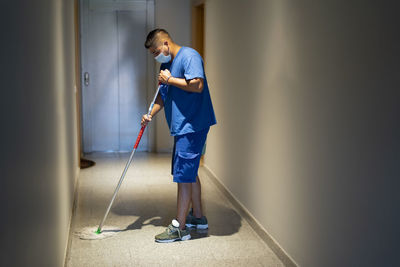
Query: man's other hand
point(163, 76)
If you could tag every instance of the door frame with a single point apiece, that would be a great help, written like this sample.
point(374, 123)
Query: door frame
point(150, 65)
point(77, 78)
point(198, 26)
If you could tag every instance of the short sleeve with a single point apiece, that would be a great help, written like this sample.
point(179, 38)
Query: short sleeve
point(193, 67)
point(163, 92)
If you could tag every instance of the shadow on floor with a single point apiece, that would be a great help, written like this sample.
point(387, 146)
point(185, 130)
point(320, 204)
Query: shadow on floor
point(222, 220)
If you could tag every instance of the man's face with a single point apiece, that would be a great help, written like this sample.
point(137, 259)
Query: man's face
point(156, 50)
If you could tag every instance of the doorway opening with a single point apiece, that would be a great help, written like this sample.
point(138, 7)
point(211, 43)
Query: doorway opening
point(198, 27)
point(198, 40)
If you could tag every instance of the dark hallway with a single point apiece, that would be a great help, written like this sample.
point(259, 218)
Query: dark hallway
point(303, 164)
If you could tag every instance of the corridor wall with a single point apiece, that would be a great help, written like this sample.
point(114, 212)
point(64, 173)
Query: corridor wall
point(306, 95)
point(39, 159)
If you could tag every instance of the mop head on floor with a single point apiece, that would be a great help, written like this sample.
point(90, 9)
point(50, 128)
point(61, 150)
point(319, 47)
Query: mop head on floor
point(92, 233)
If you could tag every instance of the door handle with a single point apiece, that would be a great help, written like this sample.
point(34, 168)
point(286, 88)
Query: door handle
point(86, 78)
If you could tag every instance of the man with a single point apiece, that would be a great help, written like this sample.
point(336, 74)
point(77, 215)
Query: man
point(185, 97)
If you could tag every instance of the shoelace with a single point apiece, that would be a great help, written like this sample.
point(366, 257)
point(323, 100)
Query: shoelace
point(171, 229)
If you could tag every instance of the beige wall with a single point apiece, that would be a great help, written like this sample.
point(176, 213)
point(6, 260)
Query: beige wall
point(306, 95)
point(175, 17)
point(39, 163)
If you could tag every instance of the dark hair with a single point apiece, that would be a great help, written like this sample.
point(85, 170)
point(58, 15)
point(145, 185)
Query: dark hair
point(152, 37)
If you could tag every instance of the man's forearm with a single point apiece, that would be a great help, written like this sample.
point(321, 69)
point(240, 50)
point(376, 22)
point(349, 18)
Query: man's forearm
point(194, 85)
point(158, 105)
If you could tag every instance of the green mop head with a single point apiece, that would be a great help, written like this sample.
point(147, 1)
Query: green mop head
point(91, 233)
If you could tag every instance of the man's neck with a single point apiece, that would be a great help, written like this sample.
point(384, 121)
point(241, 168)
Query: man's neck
point(174, 50)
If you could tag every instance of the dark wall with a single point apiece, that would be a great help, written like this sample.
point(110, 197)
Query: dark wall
point(38, 131)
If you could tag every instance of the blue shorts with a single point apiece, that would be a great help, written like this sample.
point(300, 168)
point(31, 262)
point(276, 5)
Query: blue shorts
point(186, 156)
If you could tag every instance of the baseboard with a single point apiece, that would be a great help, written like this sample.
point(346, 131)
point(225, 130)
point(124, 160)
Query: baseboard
point(257, 227)
point(71, 220)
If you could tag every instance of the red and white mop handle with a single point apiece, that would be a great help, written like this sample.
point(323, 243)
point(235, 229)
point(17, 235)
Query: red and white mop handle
point(148, 114)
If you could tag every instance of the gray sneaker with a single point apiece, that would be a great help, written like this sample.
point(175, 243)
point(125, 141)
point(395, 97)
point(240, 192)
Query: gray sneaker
point(193, 222)
point(173, 233)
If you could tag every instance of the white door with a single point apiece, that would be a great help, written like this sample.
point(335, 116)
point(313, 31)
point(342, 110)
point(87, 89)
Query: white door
point(114, 74)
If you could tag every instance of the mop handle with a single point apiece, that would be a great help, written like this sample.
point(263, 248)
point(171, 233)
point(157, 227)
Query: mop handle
point(139, 136)
point(127, 164)
point(148, 114)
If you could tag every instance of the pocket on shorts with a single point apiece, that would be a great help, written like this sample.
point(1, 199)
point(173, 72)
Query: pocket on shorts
point(188, 155)
point(188, 165)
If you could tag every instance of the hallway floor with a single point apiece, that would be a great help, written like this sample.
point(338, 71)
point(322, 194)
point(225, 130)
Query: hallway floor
point(144, 206)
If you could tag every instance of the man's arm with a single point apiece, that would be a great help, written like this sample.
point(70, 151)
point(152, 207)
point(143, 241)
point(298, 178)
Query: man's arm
point(158, 105)
point(194, 85)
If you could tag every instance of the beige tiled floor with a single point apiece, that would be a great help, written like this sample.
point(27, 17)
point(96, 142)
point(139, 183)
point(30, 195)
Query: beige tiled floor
point(145, 204)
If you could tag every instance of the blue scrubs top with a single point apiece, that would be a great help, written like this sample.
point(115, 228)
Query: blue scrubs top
point(187, 112)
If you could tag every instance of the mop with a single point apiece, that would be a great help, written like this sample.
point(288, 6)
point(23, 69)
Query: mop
point(100, 233)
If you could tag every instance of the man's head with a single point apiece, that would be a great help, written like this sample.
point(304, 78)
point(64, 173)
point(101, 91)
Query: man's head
point(159, 41)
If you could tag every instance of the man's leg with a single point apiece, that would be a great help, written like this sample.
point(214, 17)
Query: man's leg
point(173, 233)
point(196, 198)
point(184, 198)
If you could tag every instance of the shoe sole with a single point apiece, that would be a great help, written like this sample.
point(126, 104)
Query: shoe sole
point(183, 238)
point(198, 226)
